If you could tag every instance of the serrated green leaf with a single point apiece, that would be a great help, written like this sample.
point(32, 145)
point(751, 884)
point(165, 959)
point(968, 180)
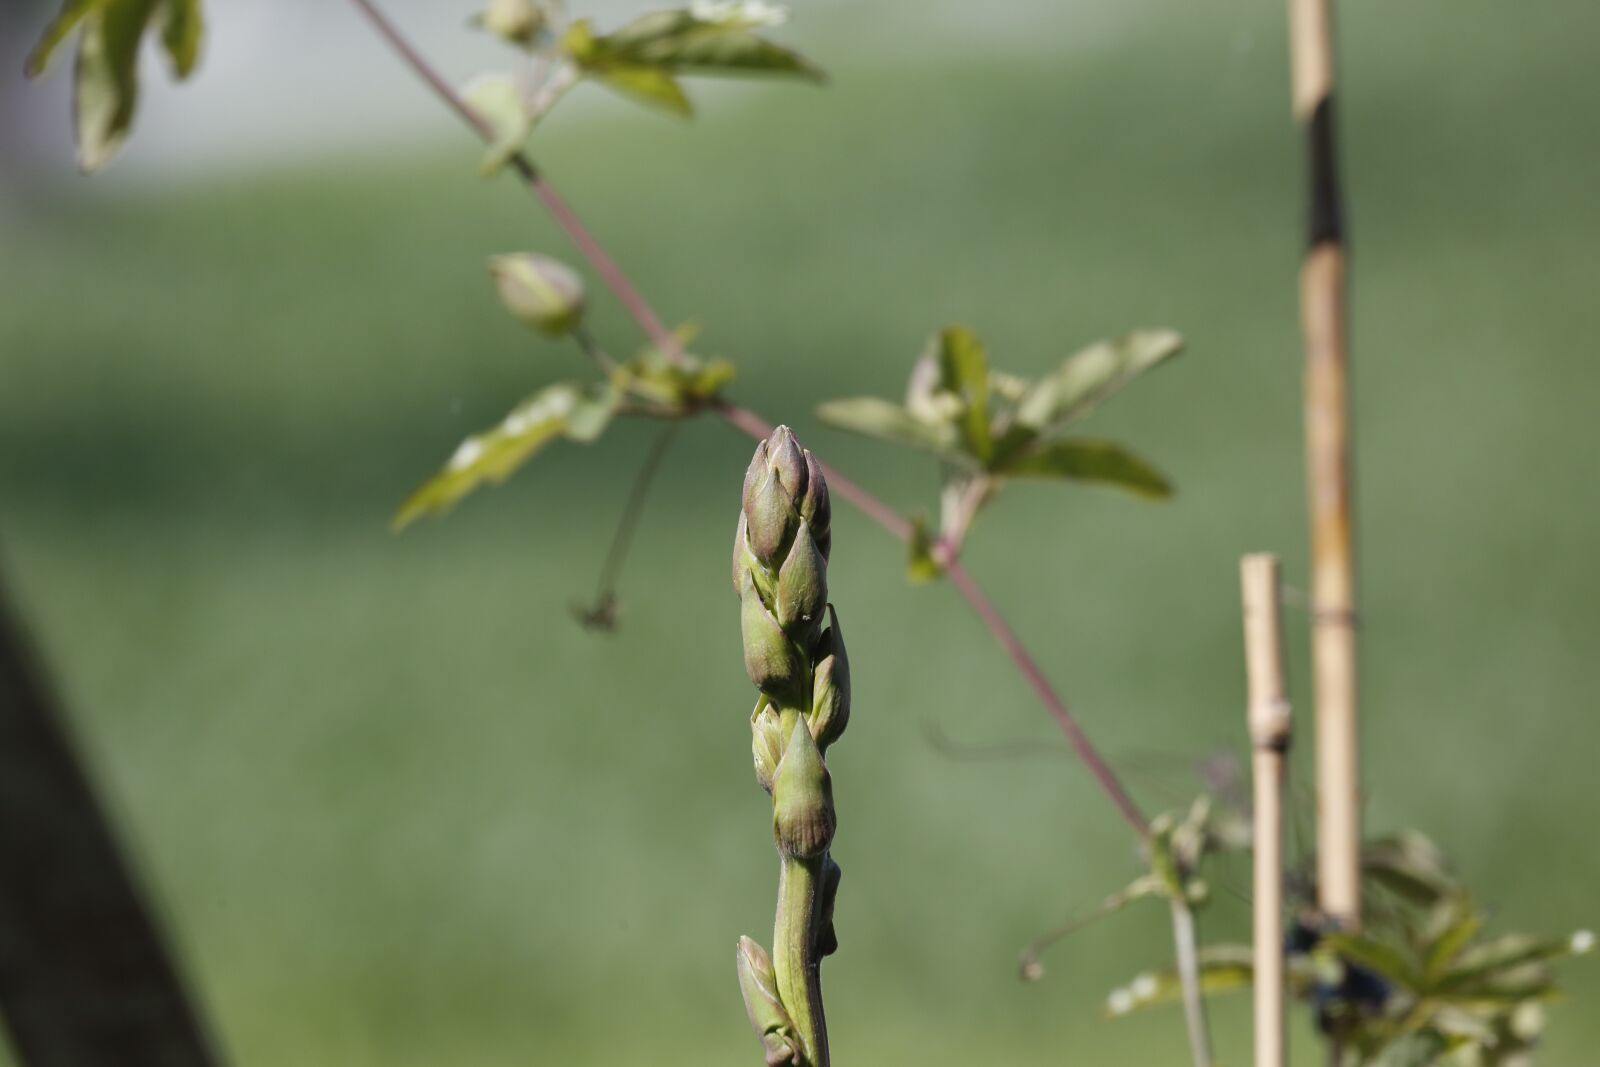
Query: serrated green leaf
point(964, 372)
point(182, 28)
point(921, 567)
point(499, 101)
point(1085, 460)
point(578, 412)
point(106, 78)
point(873, 417)
point(72, 13)
point(1093, 375)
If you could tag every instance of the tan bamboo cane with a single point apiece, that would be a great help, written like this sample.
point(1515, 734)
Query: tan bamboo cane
point(1327, 416)
point(1270, 729)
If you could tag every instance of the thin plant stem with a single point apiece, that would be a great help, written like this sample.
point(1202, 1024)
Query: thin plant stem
point(1324, 316)
point(1186, 945)
point(755, 426)
point(603, 612)
point(1270, 728)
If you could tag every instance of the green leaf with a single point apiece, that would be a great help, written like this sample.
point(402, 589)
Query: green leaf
point(578, 412)
point(1085, 460)
point(682, 41)
point(1223, 969)
point(181, 32)
point(106, 72)
point(1379, 957)
point(106, 79)
point(921, 567)
point(499, 101)
point(650, 85)
point(1480, 966)
point(964, 372)
point(1090, 377)
point(880, 419)
point(1462, 925)
point(1410, 865)
point(680, 385)
point(72, 13)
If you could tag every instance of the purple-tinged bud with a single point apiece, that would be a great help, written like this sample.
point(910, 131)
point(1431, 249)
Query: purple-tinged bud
point(802, 798)
point(830, 686)
point(772, 661)
point(802, 586)
point(787, 460)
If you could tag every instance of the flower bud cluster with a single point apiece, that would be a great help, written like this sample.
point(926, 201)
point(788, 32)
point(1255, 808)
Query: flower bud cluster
point(780, 572)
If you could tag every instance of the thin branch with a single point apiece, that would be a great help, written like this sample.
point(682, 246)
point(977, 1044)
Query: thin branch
point(603, 614)
point(1186, 943)
point(751, 423)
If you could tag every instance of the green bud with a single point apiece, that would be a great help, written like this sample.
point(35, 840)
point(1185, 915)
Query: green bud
point(541, 293)
point(802, 798)
point(830, 686)
point(772, 661)
point(787, 462)
point(766, 743)
point(802, 586)
point(827, 937)
point(771, 1022)
point(517, 21)
point(815, 507)
point(770, 521)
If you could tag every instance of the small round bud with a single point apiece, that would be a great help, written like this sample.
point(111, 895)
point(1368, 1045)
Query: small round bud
point(517, 21)
point(541, 293)
point(802, 799)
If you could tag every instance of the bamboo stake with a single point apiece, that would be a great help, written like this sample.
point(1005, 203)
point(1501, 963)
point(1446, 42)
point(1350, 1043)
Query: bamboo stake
point(1327, 414)
point(1270, 730)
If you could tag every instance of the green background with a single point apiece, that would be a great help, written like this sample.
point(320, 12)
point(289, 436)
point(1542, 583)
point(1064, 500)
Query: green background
point(400, 810)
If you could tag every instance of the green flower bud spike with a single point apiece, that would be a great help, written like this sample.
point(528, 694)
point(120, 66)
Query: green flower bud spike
point(780, 573)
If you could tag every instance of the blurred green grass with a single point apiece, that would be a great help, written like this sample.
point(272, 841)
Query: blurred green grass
point(401, 810)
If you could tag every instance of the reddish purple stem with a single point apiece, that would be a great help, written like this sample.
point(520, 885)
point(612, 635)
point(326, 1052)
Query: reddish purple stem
point(750, 423)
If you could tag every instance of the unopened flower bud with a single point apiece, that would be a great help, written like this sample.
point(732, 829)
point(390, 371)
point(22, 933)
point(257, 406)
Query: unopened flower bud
point(815, 506)
point(802, 586)
point(827, 936)
point(787, 461)
point(517, 21)
point(771, 1022)
point(766, 744)
point(830, 686)
point(802, 799)
point(772, 661)
point(541, 293)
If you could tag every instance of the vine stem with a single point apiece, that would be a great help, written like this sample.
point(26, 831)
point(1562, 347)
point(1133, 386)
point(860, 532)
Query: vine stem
point(754, 425)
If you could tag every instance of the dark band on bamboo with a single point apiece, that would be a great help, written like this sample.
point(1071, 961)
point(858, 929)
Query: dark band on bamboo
point(1325, 217)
